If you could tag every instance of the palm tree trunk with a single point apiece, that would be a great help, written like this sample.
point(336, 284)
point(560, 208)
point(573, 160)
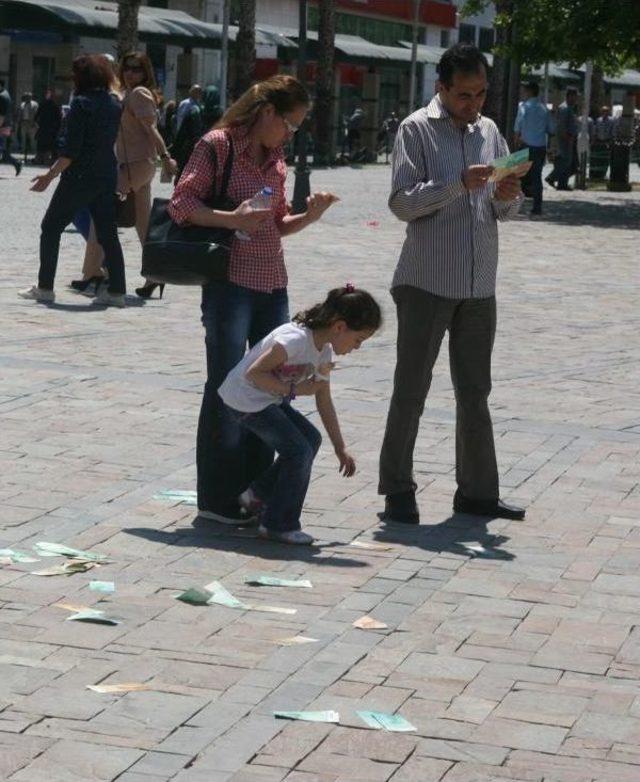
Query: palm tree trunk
point(325, 82)
point(245, 46)
point(501, 90)
point(127, 38)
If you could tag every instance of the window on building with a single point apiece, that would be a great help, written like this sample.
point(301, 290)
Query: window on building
point(486, 39)
point(467, 33)
point(375, 30)
point(444, 39)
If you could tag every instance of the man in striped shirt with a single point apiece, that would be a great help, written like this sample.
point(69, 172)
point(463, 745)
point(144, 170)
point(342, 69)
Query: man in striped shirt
point(445, 281)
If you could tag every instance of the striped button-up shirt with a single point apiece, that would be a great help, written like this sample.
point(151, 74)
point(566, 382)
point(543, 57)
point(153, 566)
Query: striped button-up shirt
point(451, 245)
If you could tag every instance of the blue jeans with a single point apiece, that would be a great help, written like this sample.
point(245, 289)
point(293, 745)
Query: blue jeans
point(228, 457)
point(283, 486)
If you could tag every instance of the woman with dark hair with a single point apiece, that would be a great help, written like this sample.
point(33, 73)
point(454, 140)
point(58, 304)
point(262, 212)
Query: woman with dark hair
point(87, 168)
point(138, 145)
point(254, 299)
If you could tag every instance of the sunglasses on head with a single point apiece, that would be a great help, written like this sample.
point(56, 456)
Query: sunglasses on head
point(289, 125)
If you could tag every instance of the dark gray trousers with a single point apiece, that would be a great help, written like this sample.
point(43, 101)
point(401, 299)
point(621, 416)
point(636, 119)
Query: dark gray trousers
point(422, 321)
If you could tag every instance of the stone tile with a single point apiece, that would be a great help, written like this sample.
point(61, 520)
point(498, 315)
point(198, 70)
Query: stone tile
point(519, 735)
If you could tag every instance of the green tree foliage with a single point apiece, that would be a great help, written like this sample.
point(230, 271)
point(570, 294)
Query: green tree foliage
point(604, 31)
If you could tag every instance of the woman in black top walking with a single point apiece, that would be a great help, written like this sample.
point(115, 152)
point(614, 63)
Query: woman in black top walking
point(87, 165)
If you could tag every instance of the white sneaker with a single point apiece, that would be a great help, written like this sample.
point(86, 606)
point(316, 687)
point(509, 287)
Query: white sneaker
point(295, 537)
point(37, 294)
point(109, 299)
point(250, 501)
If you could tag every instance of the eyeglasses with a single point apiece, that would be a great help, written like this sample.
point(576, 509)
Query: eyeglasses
point(289, 125)
point(133, 68)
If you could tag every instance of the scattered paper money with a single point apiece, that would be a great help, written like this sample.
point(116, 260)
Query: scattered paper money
point(195, 597)
point(102, 586)
point(68, 569)
point(380, 720)
point(222, 596)
point(271, 609)
point(216, 594)
point(370, 546)
point(369, 623)
point(296, 640)
point(92, 615)
point(185, 497)
point(45, 549)
point(125, 687)
point(16, 556)
point(308, 716)
point(277, 582)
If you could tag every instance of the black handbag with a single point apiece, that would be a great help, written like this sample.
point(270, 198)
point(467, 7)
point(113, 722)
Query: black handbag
point(189, 254)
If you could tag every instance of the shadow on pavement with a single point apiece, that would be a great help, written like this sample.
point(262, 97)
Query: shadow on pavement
point(207, 534)
point(604, 213)
point(459, 534)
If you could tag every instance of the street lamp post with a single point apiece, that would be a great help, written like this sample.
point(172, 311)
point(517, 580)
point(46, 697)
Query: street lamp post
point(583, 135)
point(302, 187)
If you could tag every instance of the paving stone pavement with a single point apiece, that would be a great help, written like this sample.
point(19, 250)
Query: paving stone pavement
point(516, 661)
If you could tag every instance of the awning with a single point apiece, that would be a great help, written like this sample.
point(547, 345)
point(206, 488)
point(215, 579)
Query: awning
point(431, 55)
point(98, 18)
point(351, 46)
point(556, 71)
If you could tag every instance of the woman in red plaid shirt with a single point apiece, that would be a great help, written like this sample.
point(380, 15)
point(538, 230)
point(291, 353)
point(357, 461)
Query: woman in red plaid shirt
point(254, 300)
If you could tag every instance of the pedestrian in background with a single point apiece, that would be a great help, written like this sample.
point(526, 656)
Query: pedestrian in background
point(253, 301)
point(390, 127)
point(184, 107)
point(6, 128)
point(87, 169)
point(27, 125)
point(190, 130)
point(445, 281)
point(532, 128)
point(48, 124)
point(566, 135)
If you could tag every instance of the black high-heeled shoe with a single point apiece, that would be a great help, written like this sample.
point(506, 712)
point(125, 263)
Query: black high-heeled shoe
point(148, 288)
point(88, 287)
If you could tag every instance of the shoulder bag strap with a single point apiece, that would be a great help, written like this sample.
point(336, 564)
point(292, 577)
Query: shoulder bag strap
point(226, 173)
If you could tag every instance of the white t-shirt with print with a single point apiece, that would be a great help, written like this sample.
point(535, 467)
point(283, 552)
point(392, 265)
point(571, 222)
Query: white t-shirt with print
point(303, 362)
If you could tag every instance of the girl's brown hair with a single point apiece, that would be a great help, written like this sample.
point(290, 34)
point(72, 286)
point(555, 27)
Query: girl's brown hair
point(285, 93)
point(142, 61)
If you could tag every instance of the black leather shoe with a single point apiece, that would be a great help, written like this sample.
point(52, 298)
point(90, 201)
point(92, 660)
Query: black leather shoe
point(496, 509)
point(401, 508)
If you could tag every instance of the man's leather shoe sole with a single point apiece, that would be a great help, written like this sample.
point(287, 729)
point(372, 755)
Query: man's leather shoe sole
point(397, 519)
point(495, 510)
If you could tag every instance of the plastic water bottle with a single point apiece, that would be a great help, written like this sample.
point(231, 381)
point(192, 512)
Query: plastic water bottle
point(260, 201)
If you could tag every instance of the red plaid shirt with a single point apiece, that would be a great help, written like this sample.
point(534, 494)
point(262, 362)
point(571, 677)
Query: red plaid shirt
point(259, 263)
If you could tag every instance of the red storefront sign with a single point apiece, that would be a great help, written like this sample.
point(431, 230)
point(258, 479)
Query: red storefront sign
point(431, 12)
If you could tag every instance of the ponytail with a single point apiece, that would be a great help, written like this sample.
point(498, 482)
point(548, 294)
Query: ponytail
point(356, 307)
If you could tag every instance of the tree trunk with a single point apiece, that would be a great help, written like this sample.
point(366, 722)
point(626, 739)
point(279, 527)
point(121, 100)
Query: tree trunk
point(598, 91)
point(498, 96)
point(324, 108)
point(127, 39)
point(245, 47)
